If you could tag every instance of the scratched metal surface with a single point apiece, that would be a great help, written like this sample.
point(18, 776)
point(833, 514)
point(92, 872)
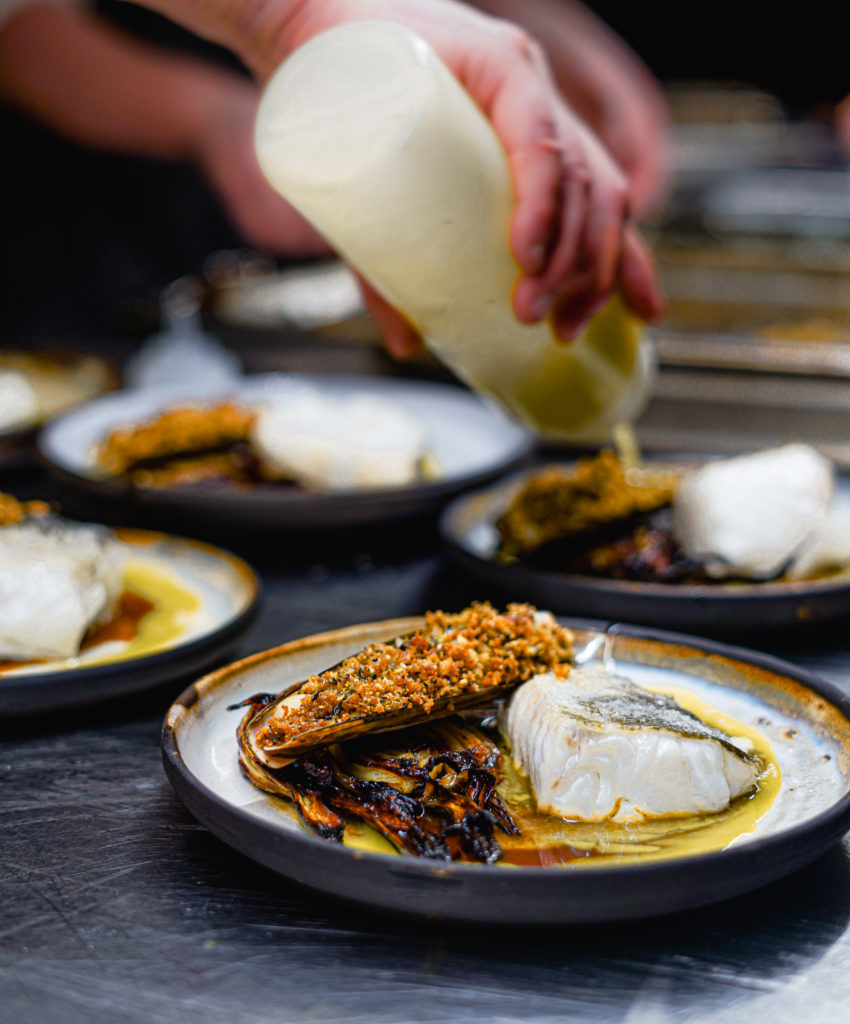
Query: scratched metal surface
point(117, 906)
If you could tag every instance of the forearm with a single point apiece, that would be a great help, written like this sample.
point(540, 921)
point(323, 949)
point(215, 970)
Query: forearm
point(263, 32)
point(257, 31)
point(91, 83)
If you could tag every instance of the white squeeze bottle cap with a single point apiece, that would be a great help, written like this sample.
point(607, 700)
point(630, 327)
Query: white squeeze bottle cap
point(366, 132)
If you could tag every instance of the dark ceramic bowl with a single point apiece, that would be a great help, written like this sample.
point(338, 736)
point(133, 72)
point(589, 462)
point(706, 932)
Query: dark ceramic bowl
point(467, 527)
point(471, 444)
point(806, 721)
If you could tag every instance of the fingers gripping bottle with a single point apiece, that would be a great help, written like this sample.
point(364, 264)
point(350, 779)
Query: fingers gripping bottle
point(368, 134)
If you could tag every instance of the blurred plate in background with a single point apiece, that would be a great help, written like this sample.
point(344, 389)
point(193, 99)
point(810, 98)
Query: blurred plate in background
point(469, 531)
point(470, 442)
point(203, 599)
point(58, 379)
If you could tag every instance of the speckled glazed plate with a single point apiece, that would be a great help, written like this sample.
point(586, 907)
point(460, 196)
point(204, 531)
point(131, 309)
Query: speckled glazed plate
point(806, 721)
point(186, 603)
point(468, 529)
point(470, 442)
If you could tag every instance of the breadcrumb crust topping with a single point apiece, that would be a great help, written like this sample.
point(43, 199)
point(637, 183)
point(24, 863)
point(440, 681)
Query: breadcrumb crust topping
point(175, 432)
point(558, 501)
point(13, 511)
point(453, 654)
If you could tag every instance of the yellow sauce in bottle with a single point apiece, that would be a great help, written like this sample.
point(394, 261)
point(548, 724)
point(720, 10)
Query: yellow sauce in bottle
point(369, 135)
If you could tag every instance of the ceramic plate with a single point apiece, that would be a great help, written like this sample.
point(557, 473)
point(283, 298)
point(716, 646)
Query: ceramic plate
point(806, 721)
point(196, 600)
point(470, 442)
point(467, 527)
point(59, 381)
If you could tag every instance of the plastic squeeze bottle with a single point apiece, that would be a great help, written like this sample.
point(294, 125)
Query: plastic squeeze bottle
point(367, 133)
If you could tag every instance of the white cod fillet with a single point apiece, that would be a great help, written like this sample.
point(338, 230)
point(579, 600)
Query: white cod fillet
point(748, 516)
point(332, 443)
point(56, 580)
point(596, 746)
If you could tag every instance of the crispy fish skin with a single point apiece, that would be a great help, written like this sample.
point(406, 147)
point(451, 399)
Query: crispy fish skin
point(179, 431)
point(598, 747)
point(454, 661)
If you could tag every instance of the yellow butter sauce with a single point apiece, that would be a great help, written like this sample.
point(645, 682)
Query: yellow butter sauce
point(155, 609)
point(550, 841)
point(546, 840)
point(173, 603)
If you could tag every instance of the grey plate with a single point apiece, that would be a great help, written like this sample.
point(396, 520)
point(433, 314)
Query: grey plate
point(227, 592)
point(468, 530)
point(472, 443)
point(806, 720)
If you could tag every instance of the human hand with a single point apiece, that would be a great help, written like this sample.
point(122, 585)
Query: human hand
point(607, 85)
point(631, 119)
point(88, 81)
point(638, 141)
point(570, 233)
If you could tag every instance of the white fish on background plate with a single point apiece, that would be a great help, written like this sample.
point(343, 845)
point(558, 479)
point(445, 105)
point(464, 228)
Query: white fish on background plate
point(333, 442)
point(57, 579)
point(18, 402)
point(751, 516)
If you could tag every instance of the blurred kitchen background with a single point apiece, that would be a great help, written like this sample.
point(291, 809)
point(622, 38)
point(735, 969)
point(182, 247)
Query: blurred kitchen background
point(753, 246)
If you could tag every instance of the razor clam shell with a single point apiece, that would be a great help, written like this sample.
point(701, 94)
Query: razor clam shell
point(312, 810)
point(279, 754)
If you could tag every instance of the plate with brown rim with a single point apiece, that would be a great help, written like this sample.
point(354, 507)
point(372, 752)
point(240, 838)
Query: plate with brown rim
point(805, 720)
point(468, 529)
point(184, 606)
